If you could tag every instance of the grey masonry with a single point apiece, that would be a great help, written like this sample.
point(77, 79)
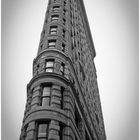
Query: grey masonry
point(63, 100)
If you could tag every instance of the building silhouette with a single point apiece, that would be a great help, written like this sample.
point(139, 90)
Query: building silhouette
point(62, 97)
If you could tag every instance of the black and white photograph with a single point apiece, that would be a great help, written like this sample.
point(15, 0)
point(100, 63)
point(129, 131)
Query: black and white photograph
point(70, 70)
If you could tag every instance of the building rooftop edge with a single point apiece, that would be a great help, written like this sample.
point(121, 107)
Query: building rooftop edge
point(84, 15)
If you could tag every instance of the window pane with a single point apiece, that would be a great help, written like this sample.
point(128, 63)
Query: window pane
point(62, 69)
point(63, 47)
point(42, 130)
point(56, 8)
point(41, 139)
point(55, 17)
point(49, 64)
point(64, 21)
point(63, 33)
point(51, 43)
point(64, 12)
point(49, 70)
point(53, 30)
point(51, 47)
point(46, 101)
point(46, 91)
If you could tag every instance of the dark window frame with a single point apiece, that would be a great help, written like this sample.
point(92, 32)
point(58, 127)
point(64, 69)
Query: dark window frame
point(50, 43)
point(65, 3)
point(54, 17)
point(56, 8)
point(46, 95)
point(53, 30)
point(64, 33)
point(38, 123)
point(47, 68)
point(64, 21)
point(62, 98)
point(64, 12)
point(63, 47)
point(62, 69)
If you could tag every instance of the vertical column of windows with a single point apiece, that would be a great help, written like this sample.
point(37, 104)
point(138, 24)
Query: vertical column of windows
point(46, 95)
point(63, 44)
point(43, 127)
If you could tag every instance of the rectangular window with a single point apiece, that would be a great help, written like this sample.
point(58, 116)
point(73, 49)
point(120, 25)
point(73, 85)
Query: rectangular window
point(64, 2)
point(49, 65)
point(64, 21)
point(82, 71)
point(61, 132)
point(51, 43)
point(64, 12)
point(46, 94)
point(62, 97)
point(63, 33)
point(62, 68)
point(56, 8)
point(54, 17)
point(63, 47)
point(53, 30)
point(42, 133)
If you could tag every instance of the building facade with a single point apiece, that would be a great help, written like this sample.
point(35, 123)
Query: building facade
point(62, 97)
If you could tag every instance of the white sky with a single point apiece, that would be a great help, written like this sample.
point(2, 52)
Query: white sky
point(114, 27)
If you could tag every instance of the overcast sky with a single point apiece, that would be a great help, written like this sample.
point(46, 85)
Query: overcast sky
point(114, 27)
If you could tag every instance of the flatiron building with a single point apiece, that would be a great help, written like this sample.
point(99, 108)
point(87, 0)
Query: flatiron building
point(63, 100)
